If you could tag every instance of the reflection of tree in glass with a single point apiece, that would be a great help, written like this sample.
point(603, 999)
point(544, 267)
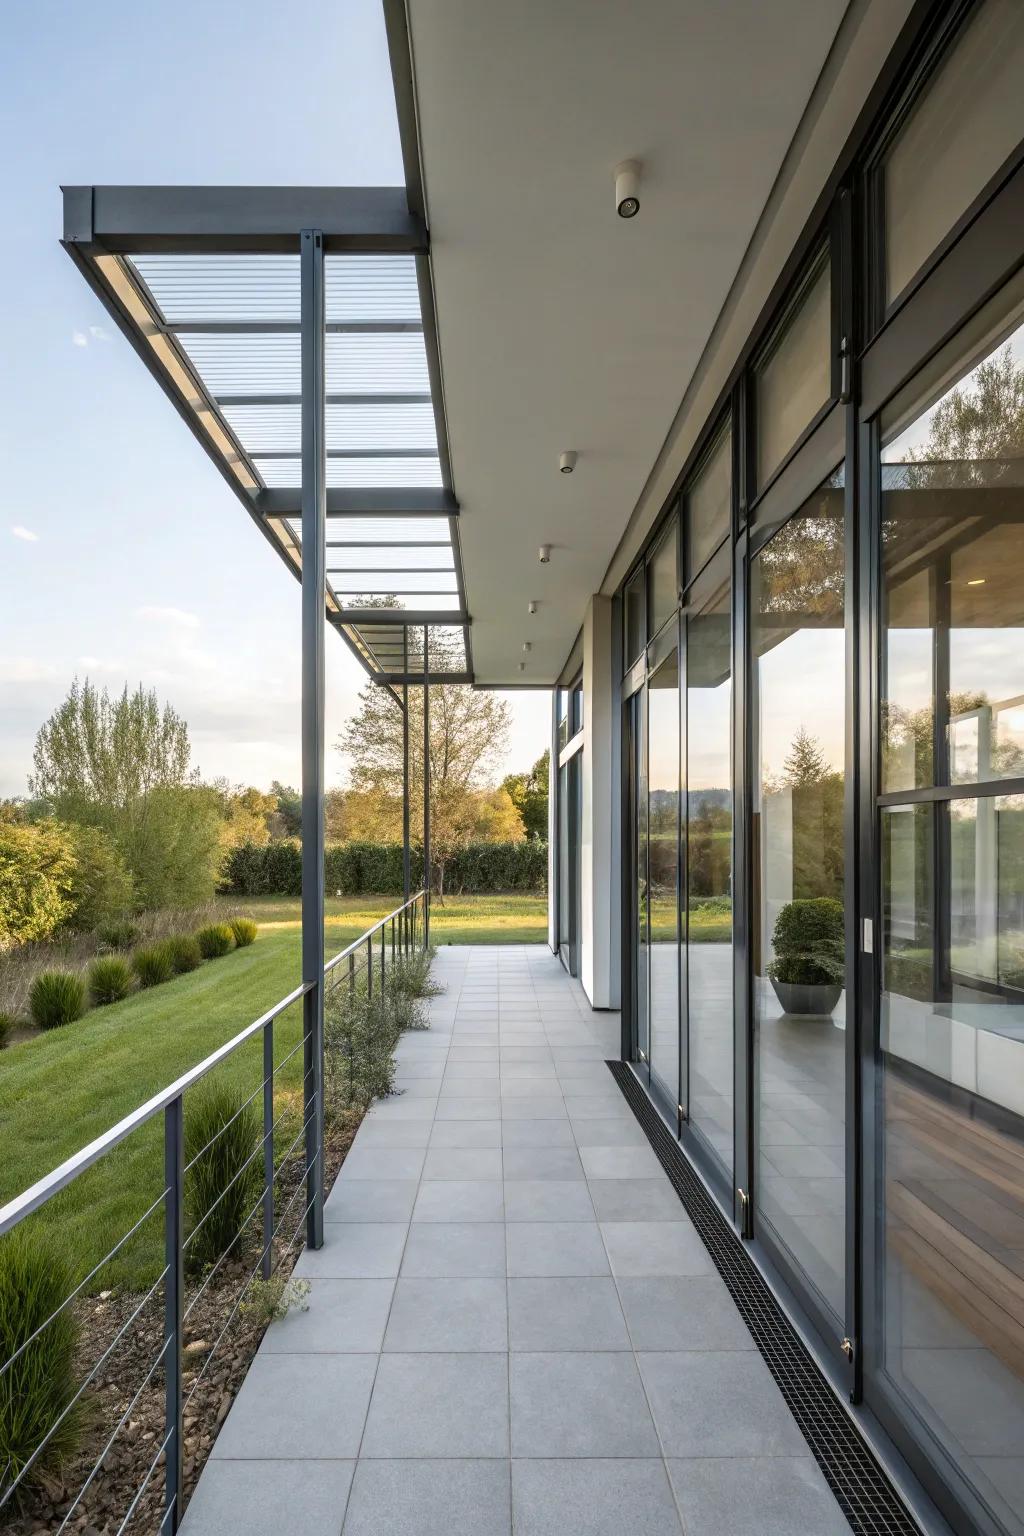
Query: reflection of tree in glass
point(975, 430)
point(801, 571)
point(817, 816)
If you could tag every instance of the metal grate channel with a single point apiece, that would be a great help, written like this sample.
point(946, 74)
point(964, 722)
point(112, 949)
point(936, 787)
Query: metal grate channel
point(861, 1487)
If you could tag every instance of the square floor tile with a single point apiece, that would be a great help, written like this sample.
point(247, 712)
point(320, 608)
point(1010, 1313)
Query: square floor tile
point(269, 1498)
point(476, 1071)
point(371, 1199)
point(765, 1496)
point(340, 1317)
point(541, 1162)
point(672, 1312)
point(621, 1163)
point(636, 1200)
point(355, 1250)
point(470, 1087)
point(559, 1248)
point(536, 1133)
point(469, 1109)
point(430, 1498)
point(559, 1314)
point(447, 1315)
point(301, 1406)
point(459, 1200)
point(579, 1404)
point(533, 1109)
point(655, 1248)
point(614, 1132)
point(547, 1200)
point(714, 1403)
point(463, 1163)
point(439, 1405)
point(466, 1133)
point(392, 1133)
point(594, 1497)
point(460, 1250)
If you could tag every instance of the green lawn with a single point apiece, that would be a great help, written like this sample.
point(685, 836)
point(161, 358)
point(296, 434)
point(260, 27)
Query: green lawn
point(59, 1090)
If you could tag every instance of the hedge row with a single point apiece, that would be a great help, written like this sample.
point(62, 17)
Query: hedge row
point(360, 869)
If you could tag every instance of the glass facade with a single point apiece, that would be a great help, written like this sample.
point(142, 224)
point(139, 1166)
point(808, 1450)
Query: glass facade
point(823, 786)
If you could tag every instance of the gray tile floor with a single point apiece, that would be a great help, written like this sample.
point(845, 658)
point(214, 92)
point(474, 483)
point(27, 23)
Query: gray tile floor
point(511, 1324)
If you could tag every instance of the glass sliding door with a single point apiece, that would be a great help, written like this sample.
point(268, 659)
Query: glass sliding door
point(708, 843)
point(663, 876)
point(637, 889)
point(950, 1154)
point(569, 837)
point(798, 649)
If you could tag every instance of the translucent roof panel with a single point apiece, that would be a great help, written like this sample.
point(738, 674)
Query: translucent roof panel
point(388, 530)
point(267, 363)
point(222, 288)
point(371, 288)
point(436, 558)
point(278, 428)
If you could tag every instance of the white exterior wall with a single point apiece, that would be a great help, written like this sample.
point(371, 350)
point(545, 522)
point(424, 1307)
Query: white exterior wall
point(599, 861)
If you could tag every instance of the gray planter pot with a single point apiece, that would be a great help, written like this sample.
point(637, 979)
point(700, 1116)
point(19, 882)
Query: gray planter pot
point(810, 1001)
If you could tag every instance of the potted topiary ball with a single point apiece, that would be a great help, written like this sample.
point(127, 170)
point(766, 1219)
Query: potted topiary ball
point(809, 970)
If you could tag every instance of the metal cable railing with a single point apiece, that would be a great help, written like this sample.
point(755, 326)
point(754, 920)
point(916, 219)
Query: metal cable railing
point(367, 963)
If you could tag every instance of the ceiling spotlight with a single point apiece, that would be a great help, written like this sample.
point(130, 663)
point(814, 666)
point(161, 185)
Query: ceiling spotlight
point(567, 461)
point(544, 554)
point(531, 606)
point(627, 189)
point(976, 581)
point(527, 646)
point(522, 666)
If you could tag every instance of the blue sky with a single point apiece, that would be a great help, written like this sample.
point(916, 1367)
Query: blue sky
point(122, 554)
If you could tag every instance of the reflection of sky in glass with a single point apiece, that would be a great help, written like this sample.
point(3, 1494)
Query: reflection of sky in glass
point(801, 686)
point(915, 437)
point(709, 737)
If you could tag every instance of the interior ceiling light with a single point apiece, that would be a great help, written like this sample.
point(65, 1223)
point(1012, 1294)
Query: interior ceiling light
point(976, 581)
point(544, 554)
point(627, 189)
point(527, 646)
point(522, 666)
point(531, 606)
point(567, 461)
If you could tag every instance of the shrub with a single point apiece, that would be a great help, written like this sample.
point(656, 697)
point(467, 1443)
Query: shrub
point(37, 864)
point(101, 889)
point(152, 964)
point(8, 1023)
point(214, 940)
point(360, 1034)
point(244, 930)
point(110, 979)
point(221, 1187)
point(184, 952)
point(358, 868)
point(56, 998)
point(36, 1389)
point(120, 933)
point(809, 943)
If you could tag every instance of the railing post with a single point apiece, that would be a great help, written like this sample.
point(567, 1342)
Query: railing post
point(351, 976)
point(268, 1148)
point(369, 965)
point(174, 1286)
point(383, 953)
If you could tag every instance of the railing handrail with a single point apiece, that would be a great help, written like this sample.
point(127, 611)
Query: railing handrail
point(357, 944)
point(65, 1173)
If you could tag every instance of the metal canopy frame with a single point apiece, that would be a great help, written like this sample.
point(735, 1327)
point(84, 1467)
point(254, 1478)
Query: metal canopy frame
point(205, 284)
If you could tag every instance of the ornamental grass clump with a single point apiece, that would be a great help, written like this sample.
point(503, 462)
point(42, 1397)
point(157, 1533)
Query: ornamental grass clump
point(184, 952)
point(214, 940)
point(244, 931)
point(222, 1142)
point(56, 998)
point(8, 1024)
point(38, 1388)
point(110, 979)
point(119, 933)
point(153, 964)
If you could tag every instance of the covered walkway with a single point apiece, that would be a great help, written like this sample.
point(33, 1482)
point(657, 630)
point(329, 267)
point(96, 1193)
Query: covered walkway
point(511, 1324)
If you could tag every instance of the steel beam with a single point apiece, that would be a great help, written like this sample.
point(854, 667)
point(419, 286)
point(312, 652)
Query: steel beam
point(331, 399)
point(377, 501)
point(126, 220)
point(397, 618)
point(314, 597)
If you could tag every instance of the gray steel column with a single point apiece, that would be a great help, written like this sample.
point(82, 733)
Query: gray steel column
point(406, 851)
point(314, 597)
point(426, 785)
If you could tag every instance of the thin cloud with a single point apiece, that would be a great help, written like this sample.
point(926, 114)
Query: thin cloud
point(20, 532)
point(98, 333)
point(79, 339)
point(177, 616)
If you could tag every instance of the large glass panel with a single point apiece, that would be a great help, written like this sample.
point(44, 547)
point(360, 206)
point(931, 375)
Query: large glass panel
point(708, 506)
point(565, 871)
point(953, 581)
point(794, 380)
point(636, 708)
point(663, 871)
point(662, 582)
point(633, 634)
point(798, 647)
point(952, 1151)
point(709, 871)
point(969, 119)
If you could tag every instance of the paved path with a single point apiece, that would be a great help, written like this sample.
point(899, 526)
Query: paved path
point(512, 1324)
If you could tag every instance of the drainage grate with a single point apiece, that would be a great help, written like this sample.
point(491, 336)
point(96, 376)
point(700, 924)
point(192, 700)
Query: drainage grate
point(864, 1493)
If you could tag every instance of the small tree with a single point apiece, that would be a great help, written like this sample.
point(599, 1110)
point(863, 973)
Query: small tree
point(529, 794)
point(37, 871)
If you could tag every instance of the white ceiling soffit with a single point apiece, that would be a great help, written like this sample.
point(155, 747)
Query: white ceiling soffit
point(562, 326)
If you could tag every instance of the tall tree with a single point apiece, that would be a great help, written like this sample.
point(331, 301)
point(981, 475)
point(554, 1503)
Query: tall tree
point(468, 735)
point(529, 794)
